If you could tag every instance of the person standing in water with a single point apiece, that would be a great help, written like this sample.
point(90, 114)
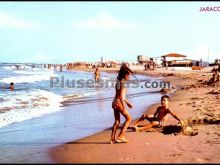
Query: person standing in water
point(119, 107)
point(97, 75)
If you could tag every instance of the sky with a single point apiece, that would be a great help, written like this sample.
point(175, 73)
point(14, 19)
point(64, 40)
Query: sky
point(68, 31)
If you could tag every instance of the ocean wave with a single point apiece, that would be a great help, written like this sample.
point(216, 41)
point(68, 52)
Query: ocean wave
point(32, 72)
point(28, 79)
point(9, 67)
point(26, 105)
point(17, 67)
point(23, 105)
point(74, 96)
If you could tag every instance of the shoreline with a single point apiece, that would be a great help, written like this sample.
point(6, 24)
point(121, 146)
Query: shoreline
point(94, 148)
point(33, 138)
point(187, 103)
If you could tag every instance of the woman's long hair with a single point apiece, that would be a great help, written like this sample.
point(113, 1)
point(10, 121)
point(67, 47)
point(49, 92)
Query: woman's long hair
point(123, 71)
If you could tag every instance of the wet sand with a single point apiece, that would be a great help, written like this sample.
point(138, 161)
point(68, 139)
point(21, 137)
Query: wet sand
point(191, 101)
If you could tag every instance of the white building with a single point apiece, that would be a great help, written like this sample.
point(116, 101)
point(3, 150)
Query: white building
point(217, 61)
point(142, 59)
point(158, 61)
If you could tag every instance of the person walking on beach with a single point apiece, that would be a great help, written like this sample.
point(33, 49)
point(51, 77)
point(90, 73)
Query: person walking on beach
point(61, 67)
point(118, 105)
point(159, 117)
point(97, 75)
point(166, 64)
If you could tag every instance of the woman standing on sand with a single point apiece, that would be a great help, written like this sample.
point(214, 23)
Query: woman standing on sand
point(118, 105)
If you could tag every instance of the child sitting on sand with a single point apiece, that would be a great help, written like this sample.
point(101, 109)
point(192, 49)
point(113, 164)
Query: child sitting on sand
point(159, 117)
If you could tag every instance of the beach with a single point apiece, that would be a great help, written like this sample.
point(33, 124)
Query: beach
point(36, 117)
point(76, 78)
point(190, 101)
point(70, 136)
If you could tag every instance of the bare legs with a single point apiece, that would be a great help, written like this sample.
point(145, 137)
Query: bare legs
point(115, 125)
point(121, 137)
point(144, 116)
point(148, 126)
point(126, 123)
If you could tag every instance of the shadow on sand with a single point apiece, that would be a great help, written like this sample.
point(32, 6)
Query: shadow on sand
point(87, 143)
point(170, 129)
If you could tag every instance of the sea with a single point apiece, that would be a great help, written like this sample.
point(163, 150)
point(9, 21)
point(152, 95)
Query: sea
point(63, 99)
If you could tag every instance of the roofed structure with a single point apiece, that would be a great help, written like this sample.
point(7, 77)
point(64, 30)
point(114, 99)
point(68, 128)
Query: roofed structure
point(173, 55)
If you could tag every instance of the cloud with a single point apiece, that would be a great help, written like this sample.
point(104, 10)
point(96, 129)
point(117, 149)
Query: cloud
point(105, 21)
point(9, 21)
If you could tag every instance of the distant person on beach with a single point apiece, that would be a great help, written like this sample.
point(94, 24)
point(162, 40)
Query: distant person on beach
point(147, 67)
point(61, 67)
point(11, 86)
point(159, 118)
point(119, 107)
point(97, 75)
point(215, 76)
point(218, 76)
point(166, 65)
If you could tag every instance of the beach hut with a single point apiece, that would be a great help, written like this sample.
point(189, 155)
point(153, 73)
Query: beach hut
point(173, 56)
point(176, 59)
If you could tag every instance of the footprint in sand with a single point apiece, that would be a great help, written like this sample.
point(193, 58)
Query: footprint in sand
point(173, 155)
point(213, 141)
point(194, 98)
point(210, 114)
point(199, 160)
point(125, 159)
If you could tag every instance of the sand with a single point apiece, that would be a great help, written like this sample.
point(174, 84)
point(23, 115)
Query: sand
point(194, 101)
